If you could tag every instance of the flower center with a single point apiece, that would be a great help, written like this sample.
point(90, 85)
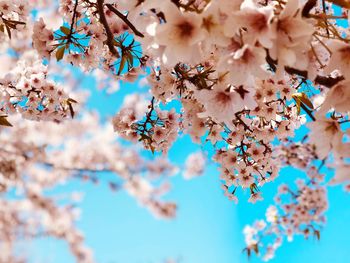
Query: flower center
point(223, 97)
point(185, 29)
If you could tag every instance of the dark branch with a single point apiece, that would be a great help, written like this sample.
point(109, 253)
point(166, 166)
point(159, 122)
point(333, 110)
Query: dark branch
point(103, 20)
point(308, 112)
point(125, 20)
point(327, 81)
point(73, 21)
point(76, 169)
point(307, 8)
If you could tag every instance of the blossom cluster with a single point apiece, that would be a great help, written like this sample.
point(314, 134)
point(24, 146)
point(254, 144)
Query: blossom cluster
point(31, 168)
point(244, 76)
point(27, 90)
point(234, 69)
point(158, 130)
point(300, 212)
point(13, 15)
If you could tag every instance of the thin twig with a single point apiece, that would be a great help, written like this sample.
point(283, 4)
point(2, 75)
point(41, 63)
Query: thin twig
point(125, 20)
point(73, 21)
point(325, 19)
point(308, 111)
point(327, 81)
point(103, 20)
point(76, 169)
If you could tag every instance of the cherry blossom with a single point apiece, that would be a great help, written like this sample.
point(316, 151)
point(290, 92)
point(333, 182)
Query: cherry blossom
point(194, 165)
point(239, 77)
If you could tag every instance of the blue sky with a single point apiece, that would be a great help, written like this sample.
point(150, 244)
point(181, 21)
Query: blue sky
point(208, 227)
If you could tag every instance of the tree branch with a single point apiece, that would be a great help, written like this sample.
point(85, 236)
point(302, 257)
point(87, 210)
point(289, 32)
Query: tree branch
point(73, 21)
point(103, 20)
point(307, 8)
point(76, 169)
point(125, 20)
point(327, 81)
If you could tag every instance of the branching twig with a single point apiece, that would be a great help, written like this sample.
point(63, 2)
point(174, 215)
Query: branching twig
point(327, 81)
point(103, 20)
point(307, 7)
point(238, 117)
point(76, 169)
point(308, 112)
point(125, 20)
point(73, 20)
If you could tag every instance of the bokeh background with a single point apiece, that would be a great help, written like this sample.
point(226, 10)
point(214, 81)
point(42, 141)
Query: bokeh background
point(208, 227)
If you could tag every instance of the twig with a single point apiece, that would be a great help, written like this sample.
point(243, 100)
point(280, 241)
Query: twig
point(103, 20)
point(242, 122)
point(307, 8)
point(125, 20)
point(327, 81)
point(307, 111)
point(325, 19)
point(76, 169)
point(73, 21)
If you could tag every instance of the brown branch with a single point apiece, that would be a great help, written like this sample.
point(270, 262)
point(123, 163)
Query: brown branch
point(246, 127)
point(76, 169)
point(148, 115)
point(73, 21)
point(325, 19)
point(103, 20)
point(307, 7)
point(327, 81)
point(125, 20)
point(54, 166)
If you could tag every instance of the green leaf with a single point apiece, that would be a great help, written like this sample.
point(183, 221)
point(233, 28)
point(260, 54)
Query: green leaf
point(256, 248)
point(254, 188)
point(130, 60)
point(298, 106)
point(117, 43)
point(71, 110)
point(301, 97)
point(317, 234)
point(305, 100)
point(152, 148)
point(8, 30)
point(72, 100)
point(123, 60)
point(5, 122)
point(60, 53)
point(65, 30)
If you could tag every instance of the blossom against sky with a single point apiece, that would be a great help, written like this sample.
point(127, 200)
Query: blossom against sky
point(257, 96)
point(208, 227)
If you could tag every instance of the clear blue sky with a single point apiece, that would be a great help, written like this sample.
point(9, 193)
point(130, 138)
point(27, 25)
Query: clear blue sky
point(208, 228)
